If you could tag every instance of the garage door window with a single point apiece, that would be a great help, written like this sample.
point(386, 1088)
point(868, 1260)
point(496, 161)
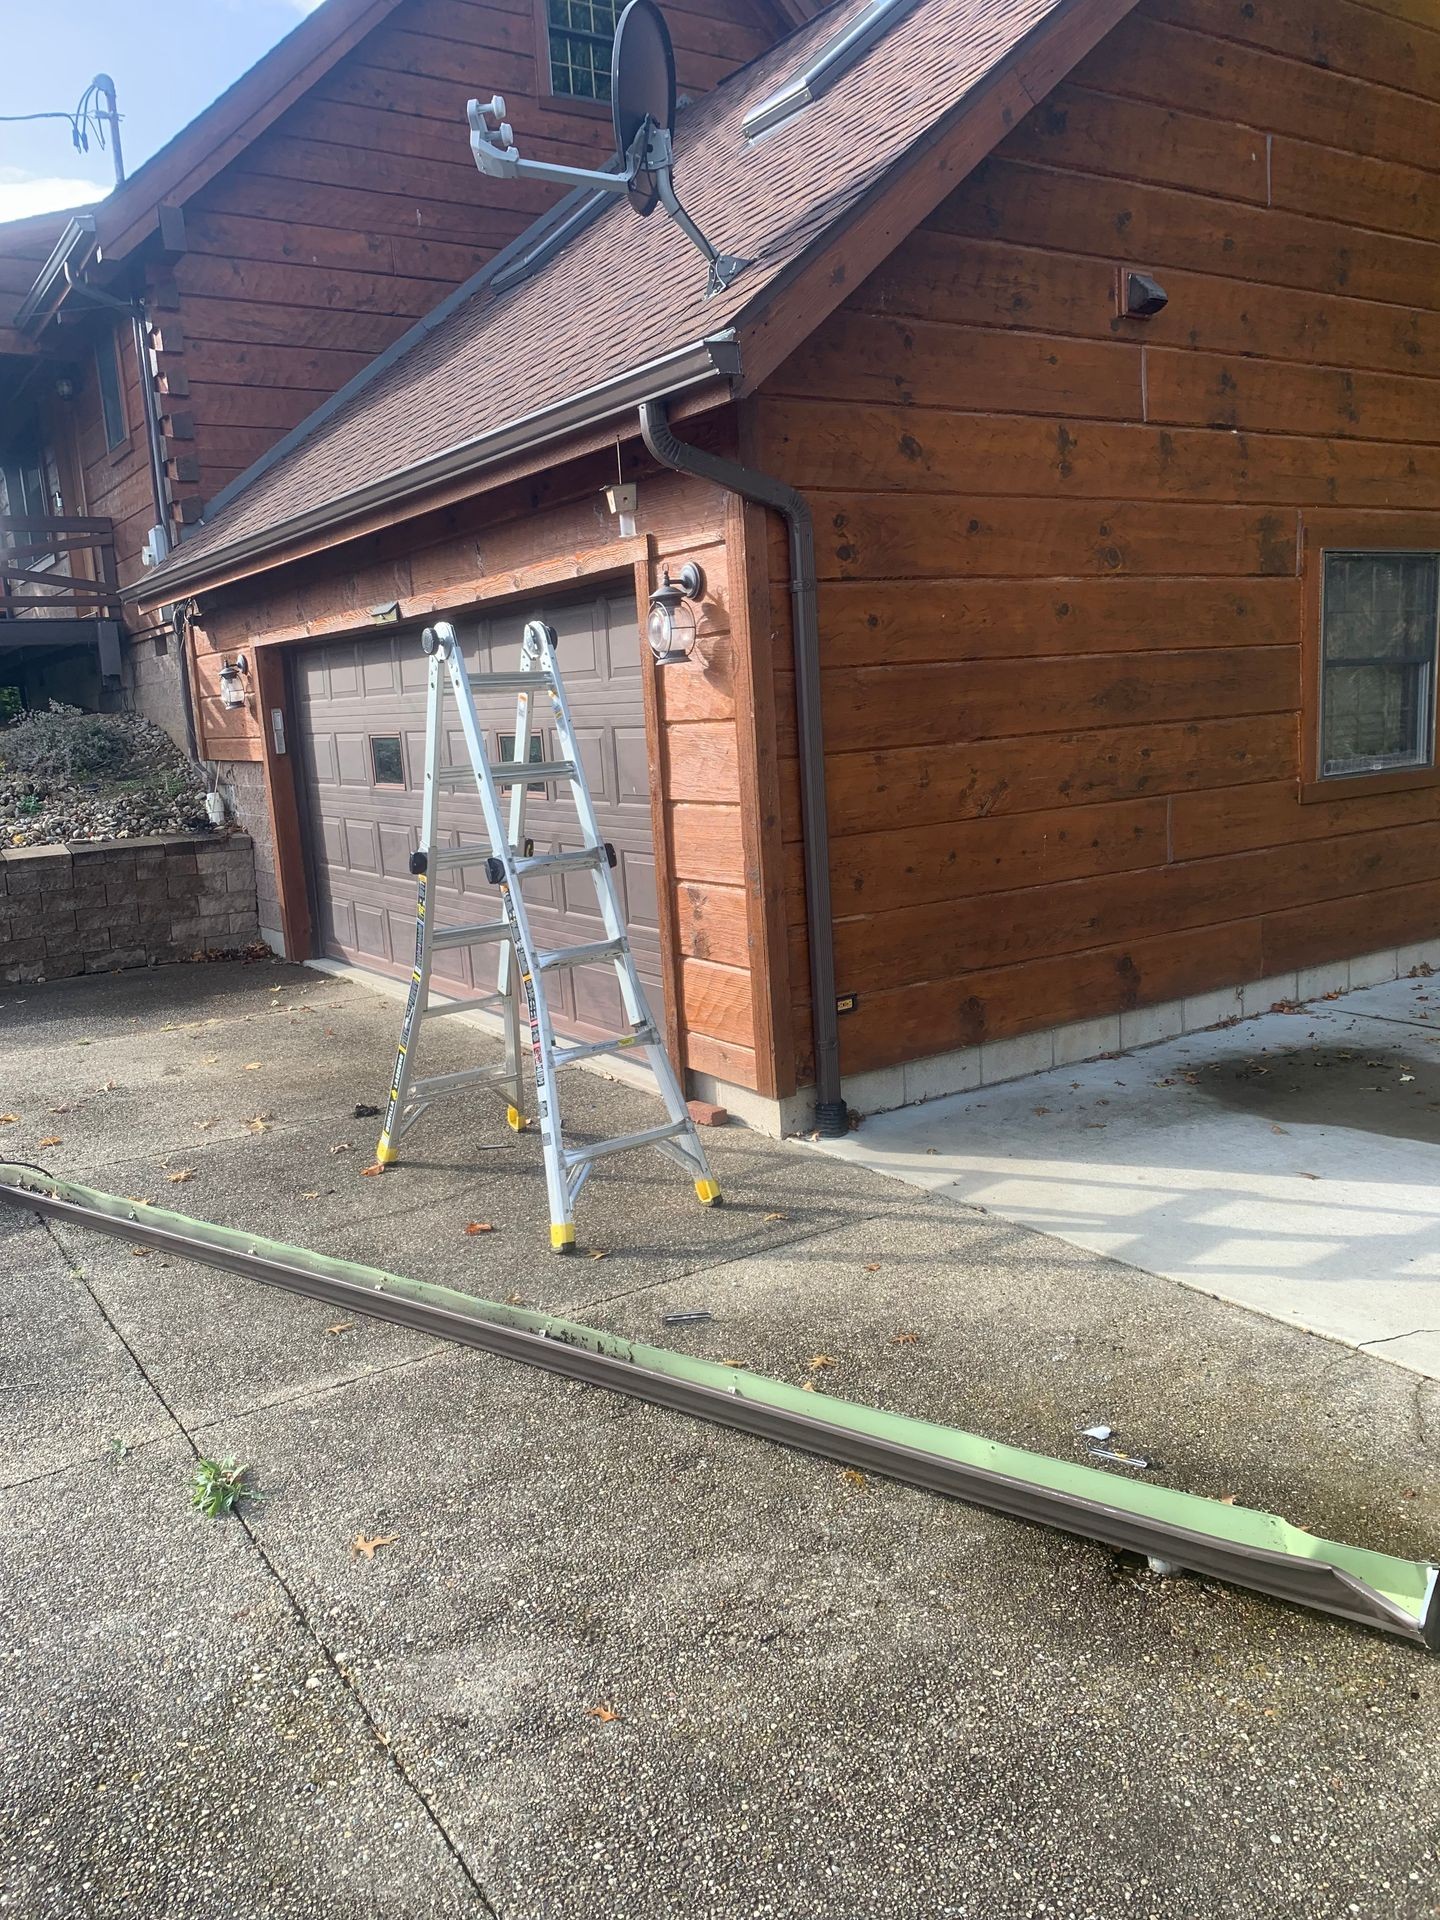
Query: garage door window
point(537, 753)
point(387, 760)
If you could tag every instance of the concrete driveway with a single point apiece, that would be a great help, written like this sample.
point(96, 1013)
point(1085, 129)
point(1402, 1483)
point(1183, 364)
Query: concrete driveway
point(1290, 1162)
point(604, 1660)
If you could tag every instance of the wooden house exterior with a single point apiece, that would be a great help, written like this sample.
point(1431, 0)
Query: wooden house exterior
point(1129, 718)
point(285, 238)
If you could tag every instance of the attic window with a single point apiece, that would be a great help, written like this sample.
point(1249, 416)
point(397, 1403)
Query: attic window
point(833, 60)
point(581, 34)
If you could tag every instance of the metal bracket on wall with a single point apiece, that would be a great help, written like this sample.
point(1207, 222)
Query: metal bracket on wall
point(1238, 1545)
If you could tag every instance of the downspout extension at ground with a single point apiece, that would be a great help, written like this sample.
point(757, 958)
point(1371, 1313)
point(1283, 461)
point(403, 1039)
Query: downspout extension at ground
point(831, 1116)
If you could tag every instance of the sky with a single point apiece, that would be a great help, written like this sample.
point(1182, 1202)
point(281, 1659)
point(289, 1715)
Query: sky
point(168, 59)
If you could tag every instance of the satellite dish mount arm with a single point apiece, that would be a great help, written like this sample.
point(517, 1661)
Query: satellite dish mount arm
point(650, 153)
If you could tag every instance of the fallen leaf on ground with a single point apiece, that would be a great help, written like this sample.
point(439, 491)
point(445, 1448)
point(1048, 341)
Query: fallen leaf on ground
point(515, 1299)
point(253, 1066)
point(1275, 1129)
point(903, 1339)
point(599, 1253)
point(369, 1173)
point(818, 1360)
point(51, 1140)
point(1039, 1110)
point(603, 1714)
point(180, 1175)
point(852, 1477)
point(732, 1363)
point(341, 1326)
point(8, 1119)
point(260, 1123)
point(1228, 1499)
point(344, 1146)
point(210, 1060)
point(367, 1543)
point(1406, 1078)
point(205, 1125)
point(478, 1226)
point(141, 1253)
point(774, 1216)
point(311, 1196)
point(872, 1266)
point(807, 1386)
point(932, 1149)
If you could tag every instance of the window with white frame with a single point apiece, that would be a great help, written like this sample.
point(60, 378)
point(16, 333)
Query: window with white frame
point(1380, 632)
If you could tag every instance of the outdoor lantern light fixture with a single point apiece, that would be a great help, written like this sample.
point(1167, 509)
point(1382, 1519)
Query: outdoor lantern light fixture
point(232, 682)
point(671, 628)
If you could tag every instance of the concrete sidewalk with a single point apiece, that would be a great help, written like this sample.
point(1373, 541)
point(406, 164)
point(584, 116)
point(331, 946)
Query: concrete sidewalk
point(605, 1660)
point(1290, 1162)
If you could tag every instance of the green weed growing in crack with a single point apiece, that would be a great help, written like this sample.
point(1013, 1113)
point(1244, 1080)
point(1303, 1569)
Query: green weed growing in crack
point(218, 1486)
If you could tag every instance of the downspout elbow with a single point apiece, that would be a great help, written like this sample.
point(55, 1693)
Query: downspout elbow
point(831, 1114)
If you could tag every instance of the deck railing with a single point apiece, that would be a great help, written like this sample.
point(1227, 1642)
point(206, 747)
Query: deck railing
point(39, 558)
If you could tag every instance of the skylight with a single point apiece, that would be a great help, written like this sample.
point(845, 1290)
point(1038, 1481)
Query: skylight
point(835, 58)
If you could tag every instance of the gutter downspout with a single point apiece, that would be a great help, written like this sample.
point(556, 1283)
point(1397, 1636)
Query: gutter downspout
point(831, 1115)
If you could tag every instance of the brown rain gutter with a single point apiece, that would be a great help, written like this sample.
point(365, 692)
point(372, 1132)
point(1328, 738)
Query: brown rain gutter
point(831, 1116)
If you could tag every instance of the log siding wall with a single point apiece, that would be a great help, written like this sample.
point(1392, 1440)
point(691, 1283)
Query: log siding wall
point(1063, 555)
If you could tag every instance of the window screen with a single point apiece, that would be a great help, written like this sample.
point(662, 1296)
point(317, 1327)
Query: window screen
point(1380, 619)
point(112, 404)
point(582, 34)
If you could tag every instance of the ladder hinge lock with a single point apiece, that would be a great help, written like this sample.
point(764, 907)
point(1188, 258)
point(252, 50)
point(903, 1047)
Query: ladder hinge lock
point(609, 854)
point(419, 861)
point(494, 870)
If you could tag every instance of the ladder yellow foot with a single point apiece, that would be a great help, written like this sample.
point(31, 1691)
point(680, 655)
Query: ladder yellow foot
point(562, 1239)
point(514, 1119)
point(385, 1154)
point(708, 1193)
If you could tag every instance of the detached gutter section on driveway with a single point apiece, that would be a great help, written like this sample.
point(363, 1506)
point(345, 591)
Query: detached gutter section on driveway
point(1175, 1531)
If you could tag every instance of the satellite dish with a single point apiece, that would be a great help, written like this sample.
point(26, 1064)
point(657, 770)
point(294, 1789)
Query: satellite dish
point(642, 87)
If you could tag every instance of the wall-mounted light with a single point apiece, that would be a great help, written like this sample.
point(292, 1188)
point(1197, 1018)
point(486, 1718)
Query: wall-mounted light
point(64, 387)
point(671, 629)
point(232, 682)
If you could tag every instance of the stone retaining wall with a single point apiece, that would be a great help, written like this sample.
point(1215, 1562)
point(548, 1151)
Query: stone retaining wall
point(98, 906)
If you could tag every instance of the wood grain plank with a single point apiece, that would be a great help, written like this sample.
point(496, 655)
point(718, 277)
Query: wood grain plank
point(814, 443)
point(934, 536)
point(929, 364)
point(865, 622)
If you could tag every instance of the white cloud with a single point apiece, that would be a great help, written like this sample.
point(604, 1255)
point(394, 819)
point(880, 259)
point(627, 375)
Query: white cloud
point(22, 193)
point(306, 6)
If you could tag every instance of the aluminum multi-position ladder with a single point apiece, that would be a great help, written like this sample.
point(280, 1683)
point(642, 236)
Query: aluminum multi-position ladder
point(508, 860)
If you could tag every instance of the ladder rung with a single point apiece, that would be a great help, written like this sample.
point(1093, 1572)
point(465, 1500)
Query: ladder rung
point(439, 1083)
point(517, 770)
point(513, 682)
point(447, 857)
point(581, 956)
point(469, 936)
point(560, 862)
point(591, 1049)
point(466, 1006)
point(580, 1155)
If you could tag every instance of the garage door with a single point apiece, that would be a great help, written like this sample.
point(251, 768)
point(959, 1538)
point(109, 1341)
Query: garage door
point(361, 708)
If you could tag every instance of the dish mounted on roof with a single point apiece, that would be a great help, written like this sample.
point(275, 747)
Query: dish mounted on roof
point(642, 90)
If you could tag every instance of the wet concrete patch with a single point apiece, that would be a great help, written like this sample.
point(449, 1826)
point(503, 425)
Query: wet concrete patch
point(1392, 1090)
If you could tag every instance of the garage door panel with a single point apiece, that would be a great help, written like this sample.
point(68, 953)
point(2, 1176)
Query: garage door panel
point(342, 672)
point(352, 760)
point(363, 834)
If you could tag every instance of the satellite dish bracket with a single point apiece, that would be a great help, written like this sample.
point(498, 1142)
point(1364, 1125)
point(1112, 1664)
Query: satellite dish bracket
point(650, 152)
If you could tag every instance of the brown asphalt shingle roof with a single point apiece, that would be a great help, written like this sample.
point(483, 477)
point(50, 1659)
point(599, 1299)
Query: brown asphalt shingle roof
point(626, 291)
